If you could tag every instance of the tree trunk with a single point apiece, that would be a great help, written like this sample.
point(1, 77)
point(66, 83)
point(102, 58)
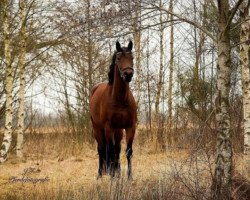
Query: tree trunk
point(160, 130)
point(137, 42)
point(21, 66)
point(170, 81)
point(149, 90)
point(245, 77)
point(221, 187)
point(89, 47)
point(160, 78)
point(8, 83)
point(90, 63)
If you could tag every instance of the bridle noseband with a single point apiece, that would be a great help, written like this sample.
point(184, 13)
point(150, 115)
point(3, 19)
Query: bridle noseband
point(121, 71)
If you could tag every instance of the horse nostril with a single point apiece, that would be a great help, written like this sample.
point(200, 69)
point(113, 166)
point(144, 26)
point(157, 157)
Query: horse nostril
point(130, 74)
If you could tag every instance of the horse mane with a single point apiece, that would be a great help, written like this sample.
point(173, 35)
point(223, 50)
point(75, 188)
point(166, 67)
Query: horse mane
point(111, 72)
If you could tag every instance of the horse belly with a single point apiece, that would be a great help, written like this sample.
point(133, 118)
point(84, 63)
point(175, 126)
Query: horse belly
point(121, 120)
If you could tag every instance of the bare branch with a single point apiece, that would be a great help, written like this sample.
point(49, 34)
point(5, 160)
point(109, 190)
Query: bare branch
point(183, 19)
point(233, 11)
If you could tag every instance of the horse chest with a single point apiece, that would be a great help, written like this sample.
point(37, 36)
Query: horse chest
point(121, 119)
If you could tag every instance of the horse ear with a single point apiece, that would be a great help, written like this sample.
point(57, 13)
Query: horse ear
point(118, 46)
point(130, 45)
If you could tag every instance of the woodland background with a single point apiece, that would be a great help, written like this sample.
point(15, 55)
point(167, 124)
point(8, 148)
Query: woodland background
point(53, 52)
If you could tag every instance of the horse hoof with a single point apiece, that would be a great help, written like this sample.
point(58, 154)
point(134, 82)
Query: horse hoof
point(118, 175)
point(98, 176)
point(112, 176)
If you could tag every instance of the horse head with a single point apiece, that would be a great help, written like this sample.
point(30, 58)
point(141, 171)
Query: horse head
point(123, 60)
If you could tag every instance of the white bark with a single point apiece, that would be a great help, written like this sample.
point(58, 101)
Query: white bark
point(135, 20)
point(21, 67)
point(160, 79)
point(222, 183)
point(8, 84)
point(245, 77)
point(223, 168)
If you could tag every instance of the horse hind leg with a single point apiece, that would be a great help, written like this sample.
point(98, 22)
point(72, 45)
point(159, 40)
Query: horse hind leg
point(130, 132)
point(129, 154)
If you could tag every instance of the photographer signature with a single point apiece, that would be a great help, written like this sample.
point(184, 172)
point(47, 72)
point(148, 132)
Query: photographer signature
point(26, 177)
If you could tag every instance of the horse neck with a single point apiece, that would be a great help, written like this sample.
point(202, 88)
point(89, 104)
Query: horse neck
point(120, 90)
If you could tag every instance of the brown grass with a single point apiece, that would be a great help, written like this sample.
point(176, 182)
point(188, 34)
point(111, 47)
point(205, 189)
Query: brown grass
point(72, 168)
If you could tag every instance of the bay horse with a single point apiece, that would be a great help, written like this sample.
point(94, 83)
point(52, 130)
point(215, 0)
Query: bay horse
point(112, 109)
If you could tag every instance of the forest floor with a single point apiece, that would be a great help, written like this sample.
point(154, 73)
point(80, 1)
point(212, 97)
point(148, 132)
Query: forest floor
point(47, 174)
point(73, 173)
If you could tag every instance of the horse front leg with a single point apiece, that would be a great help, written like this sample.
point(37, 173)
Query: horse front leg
point(101, 148)
point(118, 138)
point(110, 140)
point(130, 133)
point(101, 161)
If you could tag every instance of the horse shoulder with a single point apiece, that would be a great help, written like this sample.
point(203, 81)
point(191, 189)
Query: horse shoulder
point(93, 89)
point(132, 100)
point(97, 86)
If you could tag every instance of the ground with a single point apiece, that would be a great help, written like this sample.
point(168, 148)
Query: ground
point(69, 172)
point(73, 172)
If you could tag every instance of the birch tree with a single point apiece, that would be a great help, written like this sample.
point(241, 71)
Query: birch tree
point(245, 75)
point(8, 82)
point(149, 103)
point(171, 70)
point(222, 183)
point(160, 77)
point(21, 66)
point(136, 23)
point(15, 40)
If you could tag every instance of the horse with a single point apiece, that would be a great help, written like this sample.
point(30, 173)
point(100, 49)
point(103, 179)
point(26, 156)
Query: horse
point(112, 109)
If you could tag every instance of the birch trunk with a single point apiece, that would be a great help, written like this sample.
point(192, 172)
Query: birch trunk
point(171, 69)
point(137, 42)
point(8, 84)
point(21, 66)
point(160, 82)
point(90, 62)
point(221, 188)
point(89, 47)
point(149, 90)
point(245, 77)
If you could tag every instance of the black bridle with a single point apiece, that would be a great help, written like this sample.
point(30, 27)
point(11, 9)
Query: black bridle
point(121, 71)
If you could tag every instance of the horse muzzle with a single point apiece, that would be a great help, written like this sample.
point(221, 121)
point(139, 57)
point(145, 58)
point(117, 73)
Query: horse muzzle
point(128, 77)
point(127, 73)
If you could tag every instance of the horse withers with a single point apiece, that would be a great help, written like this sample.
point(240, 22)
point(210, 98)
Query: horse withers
point(112, 109)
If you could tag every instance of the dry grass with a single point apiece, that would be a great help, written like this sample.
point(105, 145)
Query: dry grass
point(72, 168)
